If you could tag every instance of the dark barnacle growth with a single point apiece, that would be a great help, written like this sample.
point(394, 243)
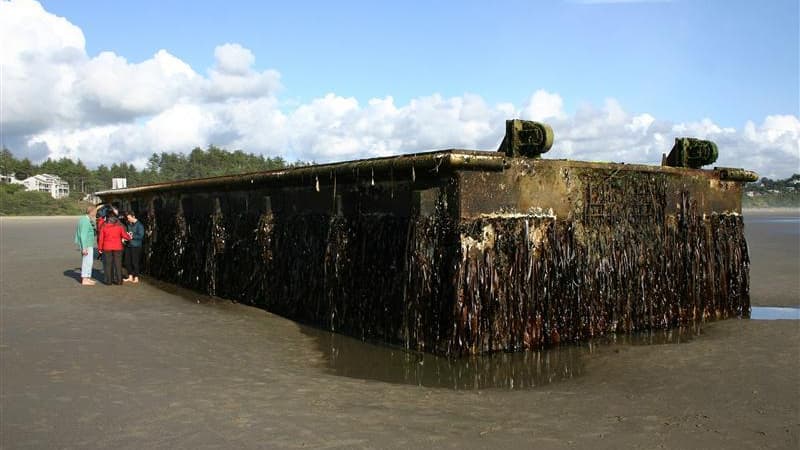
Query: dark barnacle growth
point(216, 248)
point(414, 266)
point(527, 282)
point(489, 284)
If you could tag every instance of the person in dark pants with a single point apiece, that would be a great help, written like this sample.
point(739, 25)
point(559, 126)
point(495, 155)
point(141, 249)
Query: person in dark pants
point(110, 243)
point(133, 248)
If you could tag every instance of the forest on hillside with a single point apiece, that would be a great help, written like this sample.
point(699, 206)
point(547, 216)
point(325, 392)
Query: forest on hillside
point(768, 193)
point(161, 167)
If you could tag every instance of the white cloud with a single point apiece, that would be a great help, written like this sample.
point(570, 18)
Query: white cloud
point(544, 105)
point(38, 54)
point(50, 83)
point(640, 124)
point(233, 59)
point(233, 76)
point(58, 101)
point(612, 134)
point(110, 89)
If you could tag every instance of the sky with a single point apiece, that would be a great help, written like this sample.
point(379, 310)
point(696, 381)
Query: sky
point(326, 81)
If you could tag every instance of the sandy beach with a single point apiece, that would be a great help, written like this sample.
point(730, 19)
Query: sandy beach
point(145, 367)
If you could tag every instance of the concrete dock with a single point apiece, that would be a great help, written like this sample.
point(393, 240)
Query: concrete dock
point(143, 367)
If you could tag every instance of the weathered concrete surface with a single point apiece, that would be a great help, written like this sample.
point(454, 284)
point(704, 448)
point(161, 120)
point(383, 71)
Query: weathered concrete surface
point(137, 367)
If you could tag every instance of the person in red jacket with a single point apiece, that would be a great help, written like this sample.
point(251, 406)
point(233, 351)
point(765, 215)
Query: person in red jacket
point(110, 242)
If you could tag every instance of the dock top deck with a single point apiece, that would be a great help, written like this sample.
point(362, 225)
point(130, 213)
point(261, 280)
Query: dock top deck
point(416, 165)
point(422, 163)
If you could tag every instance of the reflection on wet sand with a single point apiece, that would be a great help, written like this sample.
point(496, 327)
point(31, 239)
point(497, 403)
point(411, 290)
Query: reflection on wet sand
point(352, 358)
point(349, 357)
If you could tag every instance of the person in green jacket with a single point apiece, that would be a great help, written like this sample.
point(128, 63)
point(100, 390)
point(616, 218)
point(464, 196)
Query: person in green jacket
point(85, 238)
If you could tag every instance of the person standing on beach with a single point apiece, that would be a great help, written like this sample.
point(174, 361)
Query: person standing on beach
point(86, 240)
point(133, 249)
point(111, 236)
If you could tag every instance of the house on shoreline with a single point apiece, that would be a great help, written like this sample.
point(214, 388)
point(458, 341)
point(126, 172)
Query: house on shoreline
point(51, 184)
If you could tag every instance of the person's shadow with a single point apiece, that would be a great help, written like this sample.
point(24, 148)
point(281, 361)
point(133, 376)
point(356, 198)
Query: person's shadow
point(75, 274)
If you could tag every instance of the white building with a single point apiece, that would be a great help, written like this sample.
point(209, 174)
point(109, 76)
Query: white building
point(119, 183)
point(93, 199)
point(51, 184)
point(9, 179)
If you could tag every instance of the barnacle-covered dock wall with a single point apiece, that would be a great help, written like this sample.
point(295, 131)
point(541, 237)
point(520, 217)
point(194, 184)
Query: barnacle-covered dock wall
point(458, 252)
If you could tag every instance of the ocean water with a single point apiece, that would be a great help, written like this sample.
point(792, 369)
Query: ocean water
point(774, 244)
point(775, 313)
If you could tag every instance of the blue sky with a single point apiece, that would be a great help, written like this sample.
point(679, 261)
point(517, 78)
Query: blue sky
point(730, 60)
point(618, 80)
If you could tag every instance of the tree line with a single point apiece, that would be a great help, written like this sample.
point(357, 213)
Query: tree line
point(161, 167)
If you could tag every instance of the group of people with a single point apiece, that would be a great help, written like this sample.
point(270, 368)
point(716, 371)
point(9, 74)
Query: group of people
point(117, 238)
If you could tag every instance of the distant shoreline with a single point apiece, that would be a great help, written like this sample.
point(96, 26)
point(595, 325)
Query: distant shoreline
point(792, 210)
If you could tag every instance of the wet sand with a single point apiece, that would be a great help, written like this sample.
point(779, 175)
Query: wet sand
point(143, 367)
